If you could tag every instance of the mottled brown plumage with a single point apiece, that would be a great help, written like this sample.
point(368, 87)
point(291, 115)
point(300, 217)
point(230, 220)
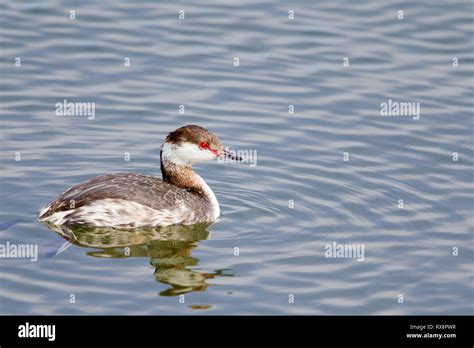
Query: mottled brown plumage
point(143, 189)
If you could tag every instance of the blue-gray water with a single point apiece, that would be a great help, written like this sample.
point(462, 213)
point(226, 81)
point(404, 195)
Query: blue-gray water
point(423, 251)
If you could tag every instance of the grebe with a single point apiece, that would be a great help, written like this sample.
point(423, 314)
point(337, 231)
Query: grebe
point(134, 200)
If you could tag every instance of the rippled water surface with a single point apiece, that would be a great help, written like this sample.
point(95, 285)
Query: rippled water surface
point(304, 193)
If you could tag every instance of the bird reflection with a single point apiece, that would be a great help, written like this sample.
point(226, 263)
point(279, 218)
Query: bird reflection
point(169, 249)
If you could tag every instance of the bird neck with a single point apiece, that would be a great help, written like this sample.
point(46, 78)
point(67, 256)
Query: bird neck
point(185, 177)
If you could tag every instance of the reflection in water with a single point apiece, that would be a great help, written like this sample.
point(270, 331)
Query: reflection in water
point(169, 249)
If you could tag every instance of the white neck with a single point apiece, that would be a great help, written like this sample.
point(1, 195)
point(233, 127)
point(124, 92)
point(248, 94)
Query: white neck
point(210, 195)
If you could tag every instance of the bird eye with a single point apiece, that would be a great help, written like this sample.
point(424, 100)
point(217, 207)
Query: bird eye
point(203, 145)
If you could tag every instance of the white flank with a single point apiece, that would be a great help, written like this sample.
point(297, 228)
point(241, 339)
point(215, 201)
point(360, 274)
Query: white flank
point(212, 197)
point(58, 218)
point(43, 211)
point(111, 212)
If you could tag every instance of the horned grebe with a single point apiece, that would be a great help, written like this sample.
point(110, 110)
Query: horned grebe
point(134, 200)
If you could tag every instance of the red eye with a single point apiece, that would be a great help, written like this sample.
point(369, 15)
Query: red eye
point(205, 146)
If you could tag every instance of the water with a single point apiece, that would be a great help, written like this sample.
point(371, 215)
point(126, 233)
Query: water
point(407, 251)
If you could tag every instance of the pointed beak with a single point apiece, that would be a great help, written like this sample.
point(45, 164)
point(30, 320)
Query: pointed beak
point(231, 155)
